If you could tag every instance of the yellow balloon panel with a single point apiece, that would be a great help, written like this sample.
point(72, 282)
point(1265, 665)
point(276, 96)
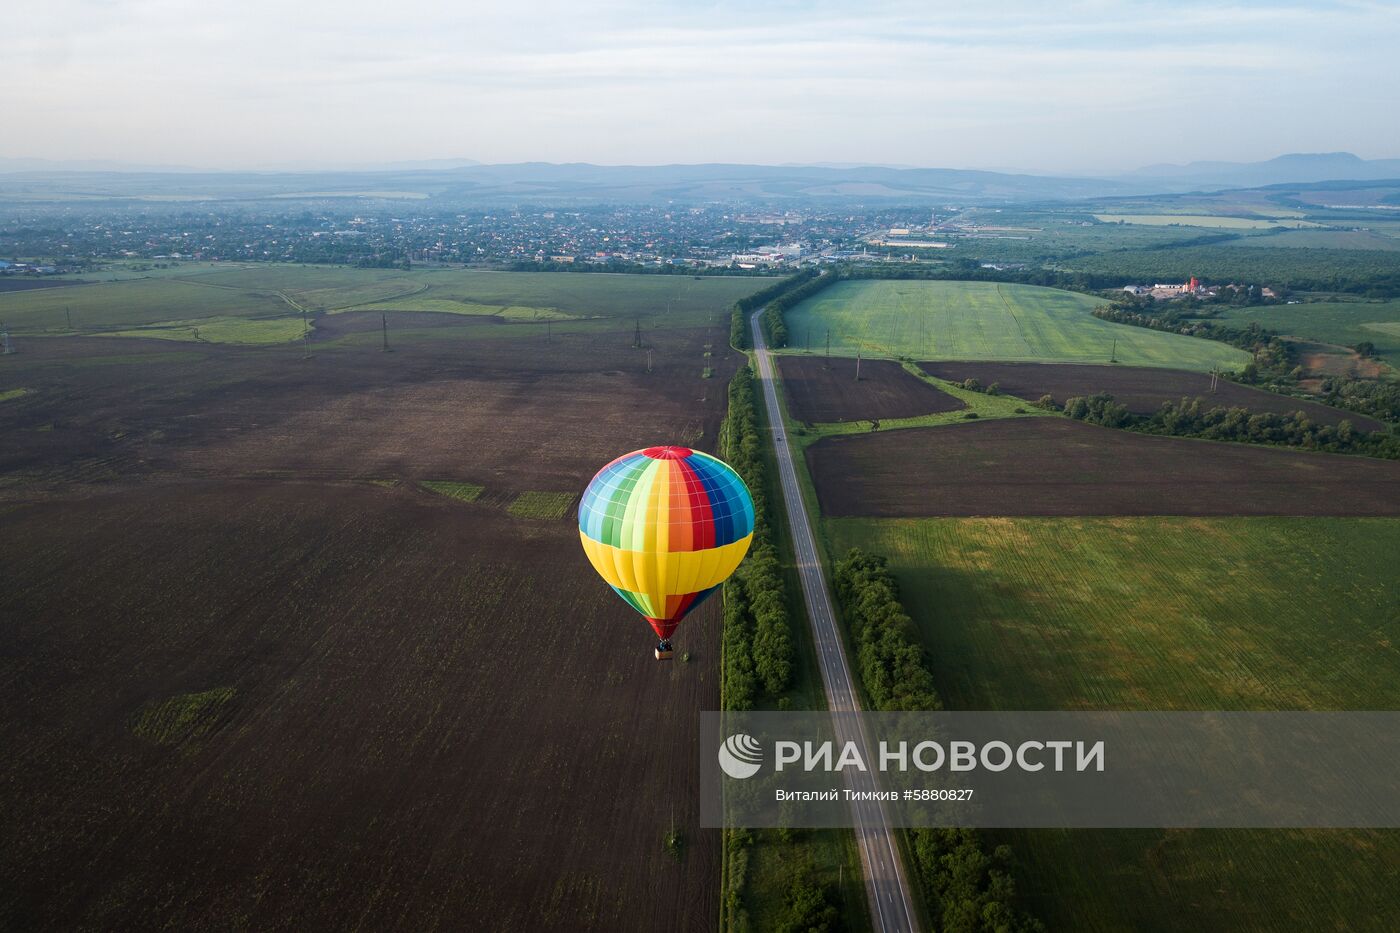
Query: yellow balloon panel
point(652, 576)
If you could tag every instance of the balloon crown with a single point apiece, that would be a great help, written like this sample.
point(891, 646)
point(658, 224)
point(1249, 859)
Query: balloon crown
point(667, 453)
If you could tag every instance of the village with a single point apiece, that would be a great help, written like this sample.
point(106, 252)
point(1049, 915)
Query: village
point(1193, 288)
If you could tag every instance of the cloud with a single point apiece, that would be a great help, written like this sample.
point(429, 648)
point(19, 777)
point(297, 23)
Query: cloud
point(1087, 84)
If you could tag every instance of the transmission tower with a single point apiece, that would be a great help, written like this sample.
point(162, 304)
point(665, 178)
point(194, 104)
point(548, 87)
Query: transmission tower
point(637, 336)
point(5, 338)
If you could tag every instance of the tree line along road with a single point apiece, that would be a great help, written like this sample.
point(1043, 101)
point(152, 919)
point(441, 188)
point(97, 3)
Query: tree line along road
point(887, 888)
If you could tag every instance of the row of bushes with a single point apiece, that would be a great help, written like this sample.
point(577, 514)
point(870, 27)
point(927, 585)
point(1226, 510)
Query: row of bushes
point(739, 312)
point(758, 661)
point(757, 634)
point(967, 884)
point(1191, 418)
point(774, 327)
point(971, 270)
point(1273, 366)
point(888, 655)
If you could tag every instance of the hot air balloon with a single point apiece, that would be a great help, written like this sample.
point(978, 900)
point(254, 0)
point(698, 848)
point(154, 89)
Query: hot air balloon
point(664, 527)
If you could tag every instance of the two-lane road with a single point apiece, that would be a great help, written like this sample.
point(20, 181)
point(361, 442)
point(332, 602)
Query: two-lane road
point(891, 907)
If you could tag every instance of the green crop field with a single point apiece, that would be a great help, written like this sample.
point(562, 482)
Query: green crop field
point(987, 321)
point(1202, 220)
point(127, 304)
point(546, 505)
point(238, 330)
point(1341, 322)
point(1320, 239)
point(275, 293)
point(1266, 264)
point(1166, 613)
point(466, 492)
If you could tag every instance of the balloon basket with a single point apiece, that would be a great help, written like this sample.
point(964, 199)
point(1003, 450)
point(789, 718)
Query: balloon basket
point(663, 651)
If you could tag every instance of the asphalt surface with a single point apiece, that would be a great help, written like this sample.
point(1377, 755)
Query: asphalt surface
point(887, 888)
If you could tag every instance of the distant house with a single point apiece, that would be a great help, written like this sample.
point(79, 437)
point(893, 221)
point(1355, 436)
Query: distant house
point(1137, 290)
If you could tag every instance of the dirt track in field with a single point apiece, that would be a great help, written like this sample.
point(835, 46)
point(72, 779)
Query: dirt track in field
point(1141, 389)
point(820, 390)
point(440, 717)
point(1055, 466)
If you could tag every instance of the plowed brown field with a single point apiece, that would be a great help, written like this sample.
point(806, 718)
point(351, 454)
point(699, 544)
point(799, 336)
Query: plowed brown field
point(1055, 466)
point(255, 676)
point(821, 390)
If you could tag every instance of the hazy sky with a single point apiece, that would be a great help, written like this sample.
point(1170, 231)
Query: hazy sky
point(1031, 85)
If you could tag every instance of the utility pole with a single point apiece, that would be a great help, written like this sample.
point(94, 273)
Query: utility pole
point(637, 336)
point(548, 330)
point(828, 348)
point(808, 344)
point(384, 320)
point(305, 337)
point(857, 366)
point(5, 336)
point(68, 312)
point(1113, 356)
point(648, 359)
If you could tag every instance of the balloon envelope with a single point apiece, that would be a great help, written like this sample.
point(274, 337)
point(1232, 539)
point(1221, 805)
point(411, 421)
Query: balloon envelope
point(664, 527)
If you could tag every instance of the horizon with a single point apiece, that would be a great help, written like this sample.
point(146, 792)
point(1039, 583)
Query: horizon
point(79, 166)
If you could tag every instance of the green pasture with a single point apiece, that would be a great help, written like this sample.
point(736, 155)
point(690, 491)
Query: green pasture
point(930, 320)
point(678, 298)
point(174, 300)
point(1166, 613)
point(1346, 323)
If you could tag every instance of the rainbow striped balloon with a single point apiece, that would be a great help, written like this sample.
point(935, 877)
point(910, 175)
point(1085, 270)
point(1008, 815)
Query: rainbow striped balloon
point(664, 527)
